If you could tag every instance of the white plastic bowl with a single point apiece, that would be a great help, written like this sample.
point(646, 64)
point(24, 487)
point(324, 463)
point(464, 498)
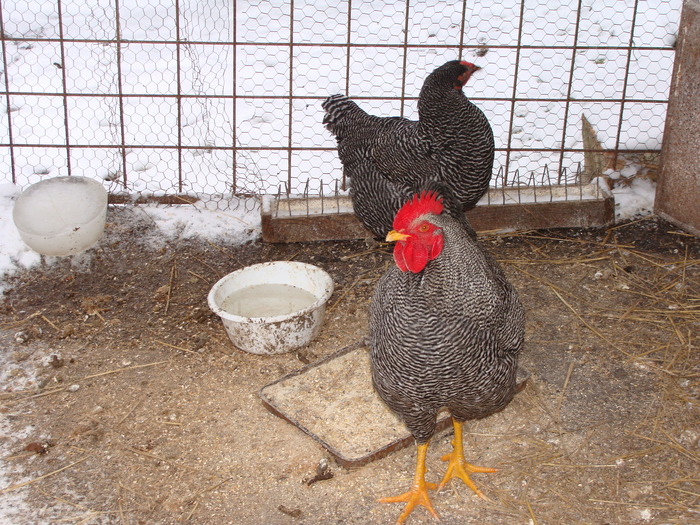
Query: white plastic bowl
point(279, 333)
point(61, 216)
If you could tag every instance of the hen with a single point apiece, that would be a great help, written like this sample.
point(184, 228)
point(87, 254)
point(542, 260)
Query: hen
point(446, 328)
point(451, 143)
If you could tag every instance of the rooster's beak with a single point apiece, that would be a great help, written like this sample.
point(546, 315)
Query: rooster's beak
point(394, 236)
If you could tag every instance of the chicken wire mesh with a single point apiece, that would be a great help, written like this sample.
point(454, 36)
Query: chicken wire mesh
point(223, 97)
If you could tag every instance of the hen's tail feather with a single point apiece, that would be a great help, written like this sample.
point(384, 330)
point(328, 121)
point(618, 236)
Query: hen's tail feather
point(339, 111)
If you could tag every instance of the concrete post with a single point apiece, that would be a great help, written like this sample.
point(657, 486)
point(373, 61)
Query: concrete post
point(678, 189)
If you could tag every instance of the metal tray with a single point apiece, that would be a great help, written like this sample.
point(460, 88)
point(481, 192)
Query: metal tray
point(333, 401)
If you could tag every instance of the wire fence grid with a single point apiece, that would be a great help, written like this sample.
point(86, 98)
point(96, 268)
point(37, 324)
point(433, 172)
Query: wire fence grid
point(223, 97)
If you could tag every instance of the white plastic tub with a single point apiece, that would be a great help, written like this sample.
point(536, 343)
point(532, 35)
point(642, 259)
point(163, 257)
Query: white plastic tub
point(61, 216)
point(272, 334)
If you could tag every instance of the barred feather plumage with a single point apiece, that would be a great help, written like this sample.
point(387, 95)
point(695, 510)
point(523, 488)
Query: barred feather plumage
point(448, 336)
point(386, 159)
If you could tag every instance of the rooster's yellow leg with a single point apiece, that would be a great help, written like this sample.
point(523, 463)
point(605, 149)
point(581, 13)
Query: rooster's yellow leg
point(418, 495)
point(458, 467)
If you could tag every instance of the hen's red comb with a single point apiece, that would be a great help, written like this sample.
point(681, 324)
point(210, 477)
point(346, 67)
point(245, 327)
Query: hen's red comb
point(426, 202)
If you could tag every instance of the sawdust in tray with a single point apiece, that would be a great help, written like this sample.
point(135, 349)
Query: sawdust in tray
point(335, 403)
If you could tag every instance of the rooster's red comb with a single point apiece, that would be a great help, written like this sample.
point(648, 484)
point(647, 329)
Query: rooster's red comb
point(426, 202)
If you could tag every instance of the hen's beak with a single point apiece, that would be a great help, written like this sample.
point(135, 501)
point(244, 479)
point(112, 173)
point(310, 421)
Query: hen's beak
point(394, 236)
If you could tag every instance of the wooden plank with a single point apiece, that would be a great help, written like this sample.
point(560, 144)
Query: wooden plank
point(543, 215)
point(298, 220)
point(327, 227)
point(127, 198)
point(678, 189)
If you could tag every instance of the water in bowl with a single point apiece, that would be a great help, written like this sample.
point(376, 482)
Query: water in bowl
point(267, 300)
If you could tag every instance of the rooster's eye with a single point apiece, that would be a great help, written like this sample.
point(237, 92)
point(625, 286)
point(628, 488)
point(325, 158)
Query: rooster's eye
point(423, 228)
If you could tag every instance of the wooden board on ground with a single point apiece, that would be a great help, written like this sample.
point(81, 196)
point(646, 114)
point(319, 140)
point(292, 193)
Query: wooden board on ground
point(334, 402)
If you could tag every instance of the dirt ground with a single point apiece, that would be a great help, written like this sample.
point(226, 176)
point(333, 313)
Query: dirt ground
point(142, 412)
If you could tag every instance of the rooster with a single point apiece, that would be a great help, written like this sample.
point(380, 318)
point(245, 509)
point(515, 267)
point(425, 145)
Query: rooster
point(446, 328)
point(451, 143)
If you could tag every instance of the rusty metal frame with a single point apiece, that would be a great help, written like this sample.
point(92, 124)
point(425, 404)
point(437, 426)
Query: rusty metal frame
point(234, 45)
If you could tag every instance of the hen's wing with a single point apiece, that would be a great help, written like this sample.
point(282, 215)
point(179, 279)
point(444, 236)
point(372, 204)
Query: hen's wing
point(378, 154)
